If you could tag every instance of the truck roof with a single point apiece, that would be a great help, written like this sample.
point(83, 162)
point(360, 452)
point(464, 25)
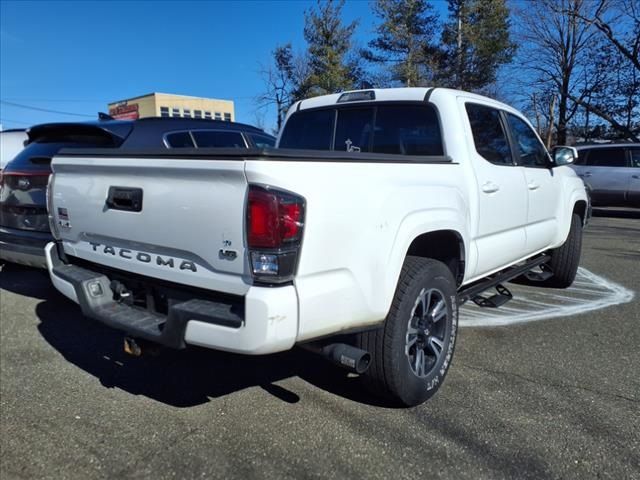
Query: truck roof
point(415, 94)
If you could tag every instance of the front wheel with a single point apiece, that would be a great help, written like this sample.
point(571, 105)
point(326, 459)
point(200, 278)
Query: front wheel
point(412, 352)
point(565, 259)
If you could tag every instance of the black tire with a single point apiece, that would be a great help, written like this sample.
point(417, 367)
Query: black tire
point(390, 373)
point(566, 258)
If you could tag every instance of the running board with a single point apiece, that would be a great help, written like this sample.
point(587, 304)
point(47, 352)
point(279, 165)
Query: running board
point(494, 301)
point(469, 292)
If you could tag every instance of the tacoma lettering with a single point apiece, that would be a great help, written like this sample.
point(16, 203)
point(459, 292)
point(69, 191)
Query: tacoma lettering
point(144, 257)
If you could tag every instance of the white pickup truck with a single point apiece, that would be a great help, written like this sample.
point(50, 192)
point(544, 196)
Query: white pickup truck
point(380, 212)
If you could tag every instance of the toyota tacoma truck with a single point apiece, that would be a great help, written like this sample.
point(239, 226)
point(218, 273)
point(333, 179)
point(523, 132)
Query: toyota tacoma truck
point(379, 213)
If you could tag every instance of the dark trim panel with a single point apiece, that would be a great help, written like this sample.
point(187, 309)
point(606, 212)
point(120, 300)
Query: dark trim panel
point(256, 154)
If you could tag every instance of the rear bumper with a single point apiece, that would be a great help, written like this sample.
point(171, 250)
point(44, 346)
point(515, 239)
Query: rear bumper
point(266, 323)
point(23, 247)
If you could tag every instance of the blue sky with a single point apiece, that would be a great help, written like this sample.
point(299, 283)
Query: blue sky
point(78, 56)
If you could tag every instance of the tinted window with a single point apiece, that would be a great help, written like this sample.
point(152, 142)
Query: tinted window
point(213, 139)
point(407, 130)
point(262, 141)
point(607, 157)
point(353, 130)
point(180, 140)
point(635, 157)
point(531, 152)
point(488, 135)
point(311, 129)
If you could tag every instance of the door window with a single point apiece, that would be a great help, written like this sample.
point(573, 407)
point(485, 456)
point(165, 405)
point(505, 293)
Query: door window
point(488, 135)
point(531, 152)
point(635, 157)
point(607, 157)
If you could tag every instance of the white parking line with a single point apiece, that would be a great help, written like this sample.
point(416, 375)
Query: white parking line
point(589, 292)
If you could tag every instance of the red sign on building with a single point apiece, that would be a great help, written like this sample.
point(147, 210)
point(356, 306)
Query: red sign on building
point(125, 112)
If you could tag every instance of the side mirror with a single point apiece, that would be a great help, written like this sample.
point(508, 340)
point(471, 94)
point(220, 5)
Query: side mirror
point(563, 155)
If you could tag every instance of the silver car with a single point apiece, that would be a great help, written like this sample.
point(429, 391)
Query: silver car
point(611, 173)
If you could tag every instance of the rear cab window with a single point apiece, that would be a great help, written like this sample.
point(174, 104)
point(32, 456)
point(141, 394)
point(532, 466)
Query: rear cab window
point(395, 129)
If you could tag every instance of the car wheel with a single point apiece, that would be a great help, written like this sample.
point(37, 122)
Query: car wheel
point(565, 259)
point(412, 352)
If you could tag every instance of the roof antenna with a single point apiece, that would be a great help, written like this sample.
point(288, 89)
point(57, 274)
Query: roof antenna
point(104, 116)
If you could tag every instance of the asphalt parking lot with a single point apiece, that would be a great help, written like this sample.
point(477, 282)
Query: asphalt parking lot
point(554, 398)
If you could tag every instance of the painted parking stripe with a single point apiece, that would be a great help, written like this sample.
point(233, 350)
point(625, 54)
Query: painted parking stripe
point(589, 292)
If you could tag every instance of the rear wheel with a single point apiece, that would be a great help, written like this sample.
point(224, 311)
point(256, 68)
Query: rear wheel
point(566, 258)
point(412, 352)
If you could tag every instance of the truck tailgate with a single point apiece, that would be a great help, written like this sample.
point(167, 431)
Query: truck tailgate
point(186, 227)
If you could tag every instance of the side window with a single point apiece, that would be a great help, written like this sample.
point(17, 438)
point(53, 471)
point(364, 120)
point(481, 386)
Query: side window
point(488, 134)
point(530, 151)
point(205, 139)
point(635, 157)
point(310, 129)
point(262, 141)
point(407, 130)
point(607, 157)
point(353, 130)
point(179, 140)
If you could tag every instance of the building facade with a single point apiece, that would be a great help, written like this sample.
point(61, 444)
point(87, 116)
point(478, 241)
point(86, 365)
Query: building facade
point(169, 105)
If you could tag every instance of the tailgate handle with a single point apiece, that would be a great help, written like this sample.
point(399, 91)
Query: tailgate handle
point(124, 198)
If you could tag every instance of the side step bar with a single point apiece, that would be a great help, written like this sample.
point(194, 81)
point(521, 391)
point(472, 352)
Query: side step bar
point(469, 292)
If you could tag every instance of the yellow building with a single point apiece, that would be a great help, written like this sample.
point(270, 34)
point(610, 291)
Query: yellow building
point(169, 105)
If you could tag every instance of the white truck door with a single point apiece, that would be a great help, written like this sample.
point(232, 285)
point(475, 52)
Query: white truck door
point(543, 187)
point(502, 194)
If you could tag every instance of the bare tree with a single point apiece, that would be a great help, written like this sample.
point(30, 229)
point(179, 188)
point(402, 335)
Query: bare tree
point(555, 50)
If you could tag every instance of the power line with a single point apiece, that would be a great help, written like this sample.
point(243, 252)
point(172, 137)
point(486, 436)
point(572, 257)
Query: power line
point(29, 107)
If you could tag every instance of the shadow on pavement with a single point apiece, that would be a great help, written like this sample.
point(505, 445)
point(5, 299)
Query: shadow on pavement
point(616, 212)
point(27, 281)
point(183, 378)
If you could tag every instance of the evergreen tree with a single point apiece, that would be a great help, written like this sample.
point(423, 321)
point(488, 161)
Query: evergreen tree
point(476, 43)
point(329, 45)
point(404, 40)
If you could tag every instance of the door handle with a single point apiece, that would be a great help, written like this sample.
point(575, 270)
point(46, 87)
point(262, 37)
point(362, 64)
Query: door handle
point(490, 187)
point(586, 174)
point(533, 186)
point(635, 176)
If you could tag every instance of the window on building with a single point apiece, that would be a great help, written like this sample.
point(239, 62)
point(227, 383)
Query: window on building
point(531, 152)
point(164, 111)
point(197, 113)
point(488, 134)
point(179, 140)
point(217, 139)
point(186, 112)
point(218, 116)
point(175, 112)
point(207, 114)
point(227, 117)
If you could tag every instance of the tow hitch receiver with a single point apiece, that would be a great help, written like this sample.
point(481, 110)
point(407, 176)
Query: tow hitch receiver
point(496, 300)
point(132, 347)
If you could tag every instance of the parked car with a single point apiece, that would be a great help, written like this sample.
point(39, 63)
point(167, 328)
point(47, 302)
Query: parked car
point(11, 143)
point(611, 173)
point(24, 224)
point(378, 214)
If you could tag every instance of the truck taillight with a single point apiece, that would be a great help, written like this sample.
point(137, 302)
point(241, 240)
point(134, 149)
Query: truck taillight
point(275, 220)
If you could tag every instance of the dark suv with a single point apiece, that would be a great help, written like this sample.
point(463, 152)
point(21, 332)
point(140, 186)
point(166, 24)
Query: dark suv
point(24, 223)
